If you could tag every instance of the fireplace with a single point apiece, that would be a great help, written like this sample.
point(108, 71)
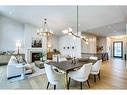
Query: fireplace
point(35, 57)
point(32, 54)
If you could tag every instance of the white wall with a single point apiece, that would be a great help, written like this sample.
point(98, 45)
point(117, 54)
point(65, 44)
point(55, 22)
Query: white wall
point(68, 41)
point(91, 46)
point(10, 32)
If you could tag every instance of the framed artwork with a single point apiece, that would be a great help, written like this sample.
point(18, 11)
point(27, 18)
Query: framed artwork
point(67, 47)
point(73, 47)
point(36, 42)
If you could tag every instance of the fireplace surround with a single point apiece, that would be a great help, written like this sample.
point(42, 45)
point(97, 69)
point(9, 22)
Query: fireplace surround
point(32, 54)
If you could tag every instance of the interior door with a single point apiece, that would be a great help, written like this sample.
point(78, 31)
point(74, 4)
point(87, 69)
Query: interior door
point(118, 49)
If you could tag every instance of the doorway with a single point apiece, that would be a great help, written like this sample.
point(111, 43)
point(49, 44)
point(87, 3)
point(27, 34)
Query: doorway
point(118, 49)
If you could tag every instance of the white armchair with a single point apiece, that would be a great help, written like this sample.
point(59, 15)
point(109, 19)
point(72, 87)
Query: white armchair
point(14, 71)
point(96, 69)
point(52, 75)
point(81, 75)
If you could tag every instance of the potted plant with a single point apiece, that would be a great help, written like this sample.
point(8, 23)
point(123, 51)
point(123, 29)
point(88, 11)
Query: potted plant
point(41, 55)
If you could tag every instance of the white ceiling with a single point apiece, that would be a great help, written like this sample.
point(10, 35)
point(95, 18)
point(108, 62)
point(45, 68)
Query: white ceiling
point(92, 19)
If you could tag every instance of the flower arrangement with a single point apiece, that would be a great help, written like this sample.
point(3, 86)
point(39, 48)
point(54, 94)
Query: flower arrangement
point(41, 55)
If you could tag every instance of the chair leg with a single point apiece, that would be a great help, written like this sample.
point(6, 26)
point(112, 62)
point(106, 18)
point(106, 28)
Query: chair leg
point(69, 82)
point(88, 83)
point(81, 85)
point(94, 78)
point(54, 87)
point(99, 75)
point(48, 85)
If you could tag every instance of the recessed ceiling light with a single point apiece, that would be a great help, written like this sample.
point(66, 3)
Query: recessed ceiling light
point(79, 24)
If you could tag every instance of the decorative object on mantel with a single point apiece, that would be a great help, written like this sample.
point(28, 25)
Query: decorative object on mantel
point(70, 32)
point(56, 51)
point(44, 31)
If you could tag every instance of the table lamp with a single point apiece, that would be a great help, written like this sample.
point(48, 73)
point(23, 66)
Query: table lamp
point(18, 45)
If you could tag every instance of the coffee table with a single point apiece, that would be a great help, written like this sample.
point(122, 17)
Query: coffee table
point(39, 64)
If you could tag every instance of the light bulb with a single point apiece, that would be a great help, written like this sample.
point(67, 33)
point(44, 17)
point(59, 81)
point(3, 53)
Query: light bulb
point(81, 37)
point(86, 39)
point(87, 43)
point(70, 29)
point(74, 37)
point(70, 33)
point(49, 45)
point(65, 31)
point(18, 44)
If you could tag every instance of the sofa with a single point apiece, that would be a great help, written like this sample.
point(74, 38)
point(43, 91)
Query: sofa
point(14, 71)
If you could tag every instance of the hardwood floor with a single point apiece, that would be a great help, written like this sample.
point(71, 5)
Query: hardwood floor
point(113, 76)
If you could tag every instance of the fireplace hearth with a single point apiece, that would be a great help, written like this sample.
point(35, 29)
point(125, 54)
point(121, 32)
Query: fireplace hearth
point(35, 57)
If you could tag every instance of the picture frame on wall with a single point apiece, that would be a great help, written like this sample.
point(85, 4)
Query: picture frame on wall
point(73, 47)
point(36, 42)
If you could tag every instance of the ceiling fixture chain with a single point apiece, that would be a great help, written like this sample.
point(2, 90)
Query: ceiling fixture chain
point(70, 32)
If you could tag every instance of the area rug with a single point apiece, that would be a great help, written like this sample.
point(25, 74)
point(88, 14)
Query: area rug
point(37, 72)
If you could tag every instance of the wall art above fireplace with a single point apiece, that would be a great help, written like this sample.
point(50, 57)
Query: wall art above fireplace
point(36, 42)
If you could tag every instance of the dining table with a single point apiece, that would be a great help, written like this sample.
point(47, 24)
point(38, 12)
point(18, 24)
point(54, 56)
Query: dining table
point(70, 65)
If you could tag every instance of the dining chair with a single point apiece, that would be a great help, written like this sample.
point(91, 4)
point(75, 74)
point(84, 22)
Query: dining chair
point(81, 75)
point(93, 58)
point(52, 75)
point(96, 69)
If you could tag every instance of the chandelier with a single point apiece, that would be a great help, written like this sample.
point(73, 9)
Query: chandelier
point(44, 31)
point(70, 32)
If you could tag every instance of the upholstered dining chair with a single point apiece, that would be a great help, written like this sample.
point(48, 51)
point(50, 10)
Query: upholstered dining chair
point(52, 75)
point(96, 69)
point(81, 75)
point(93, 58)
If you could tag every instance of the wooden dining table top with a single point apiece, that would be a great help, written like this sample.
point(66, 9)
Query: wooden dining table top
point(68, 65)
